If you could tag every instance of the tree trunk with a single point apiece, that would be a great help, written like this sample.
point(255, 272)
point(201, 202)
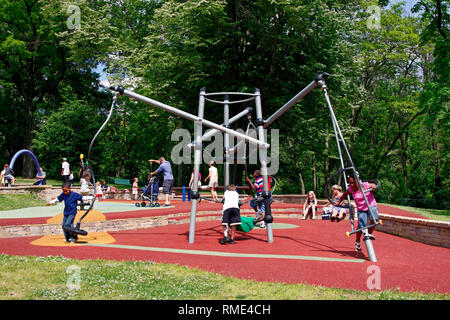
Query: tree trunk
point(437, 164)
point(404, 157)
point(314, 176)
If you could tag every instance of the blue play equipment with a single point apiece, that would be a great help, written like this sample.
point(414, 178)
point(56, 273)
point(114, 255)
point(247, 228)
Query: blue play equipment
point(186, 194)
point(30, 154)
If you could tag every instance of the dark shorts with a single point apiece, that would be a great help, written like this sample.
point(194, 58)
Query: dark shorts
point(255, 204)
point(167, 186)
point(231, 216)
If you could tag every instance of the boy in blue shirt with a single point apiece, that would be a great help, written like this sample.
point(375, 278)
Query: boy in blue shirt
point(70, 199)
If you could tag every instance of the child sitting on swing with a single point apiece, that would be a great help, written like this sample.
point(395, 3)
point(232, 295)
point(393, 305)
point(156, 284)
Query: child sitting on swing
point(337, 213)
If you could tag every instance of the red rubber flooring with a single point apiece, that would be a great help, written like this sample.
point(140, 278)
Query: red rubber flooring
point(184, 207)
point(316, 252)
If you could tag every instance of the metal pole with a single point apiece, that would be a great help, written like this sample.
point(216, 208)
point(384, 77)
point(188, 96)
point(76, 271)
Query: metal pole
point(226, 121)
point(367, 240)
point(197, 161)
point(335, 125)
point(268, 219)
point(212, 132)
point(310, 87)
point(187, 116)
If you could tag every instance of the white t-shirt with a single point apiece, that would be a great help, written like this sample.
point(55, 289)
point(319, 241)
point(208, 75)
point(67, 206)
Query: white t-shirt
point(66, 168)
point(231, 200)
point(213, 175)
point(84, 185)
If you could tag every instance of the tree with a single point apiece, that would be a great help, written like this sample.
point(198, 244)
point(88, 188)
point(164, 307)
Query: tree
point(35, 68)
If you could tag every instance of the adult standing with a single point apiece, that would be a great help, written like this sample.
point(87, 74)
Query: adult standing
point(166, 169)
point(65, 170)
point(213, 180)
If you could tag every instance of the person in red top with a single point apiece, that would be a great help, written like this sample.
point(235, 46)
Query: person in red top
point(364, 216)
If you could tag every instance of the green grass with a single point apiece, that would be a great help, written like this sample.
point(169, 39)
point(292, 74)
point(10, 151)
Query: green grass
point(18, 201)
point(24, 181)
point(434, 214)
point(55, 278)
point(58, 183)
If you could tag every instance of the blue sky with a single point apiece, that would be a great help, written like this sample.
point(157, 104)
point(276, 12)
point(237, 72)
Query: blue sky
point(408, 4)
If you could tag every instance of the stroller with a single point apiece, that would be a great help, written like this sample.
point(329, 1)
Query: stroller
point(150, 194)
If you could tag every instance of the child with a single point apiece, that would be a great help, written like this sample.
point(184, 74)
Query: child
point(231, 214)
point(310, 205)
point(7, 175)
point(71, 178)
point(2, 180)
point(135, 188)
point(70, 199)
point(84, 190)
point(258, 203)
point(338, 213)
point(99, 191)
point(104, 186)
point(192, 180)
point(214, 180)
point(364, 216)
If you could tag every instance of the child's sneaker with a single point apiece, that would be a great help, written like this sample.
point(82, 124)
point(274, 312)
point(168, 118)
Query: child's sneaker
point(358, 246)
point(262, 225)
point(231, 241)
point(224, 240)
point(371, 237)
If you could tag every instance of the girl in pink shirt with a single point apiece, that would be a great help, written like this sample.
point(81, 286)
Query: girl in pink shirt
point(363, 211)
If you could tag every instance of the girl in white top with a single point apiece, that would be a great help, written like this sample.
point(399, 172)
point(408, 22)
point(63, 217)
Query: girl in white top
point(135, 188)
point(214, 180)
point(84, 190)
point(99, 191)
point(231, 214)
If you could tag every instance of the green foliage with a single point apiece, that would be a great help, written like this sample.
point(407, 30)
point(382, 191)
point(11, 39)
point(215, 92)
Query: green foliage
point(54, 278)
point(388, 84)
